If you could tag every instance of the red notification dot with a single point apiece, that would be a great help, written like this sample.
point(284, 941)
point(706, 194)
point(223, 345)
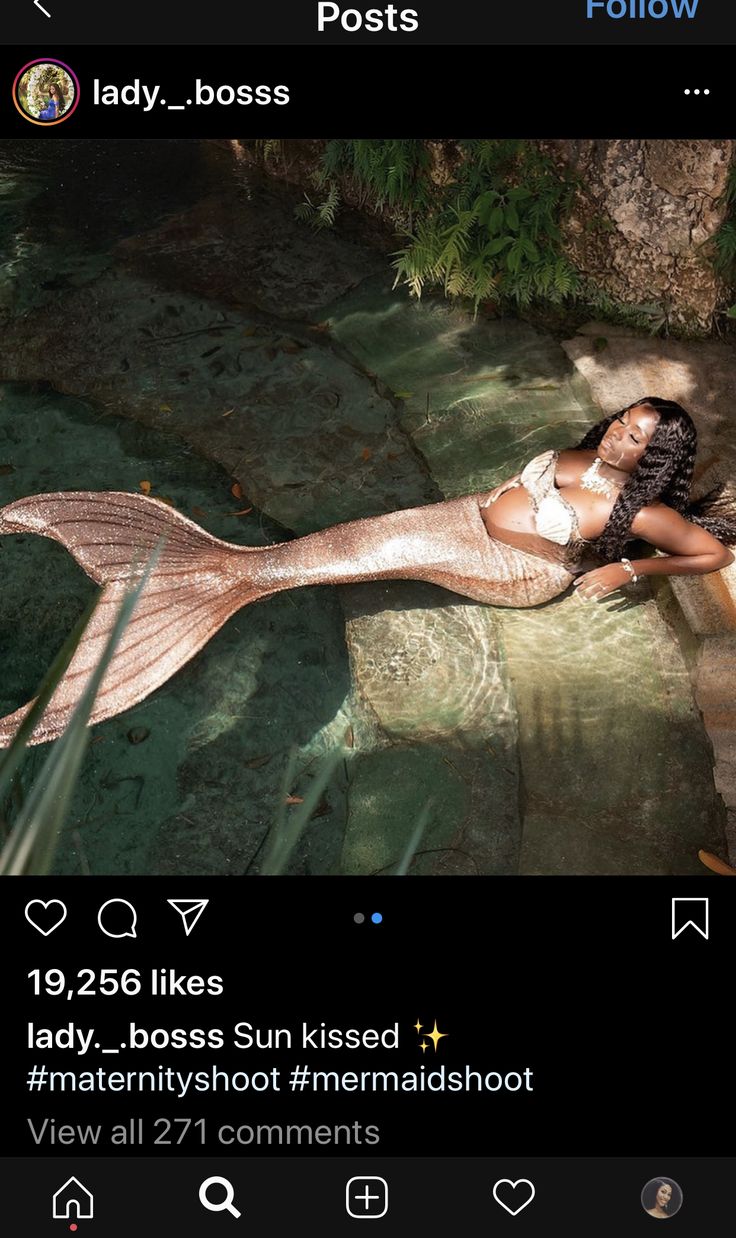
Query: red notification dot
point(73, 1228)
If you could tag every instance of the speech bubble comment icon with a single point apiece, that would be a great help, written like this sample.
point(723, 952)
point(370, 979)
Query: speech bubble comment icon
point(117, 918)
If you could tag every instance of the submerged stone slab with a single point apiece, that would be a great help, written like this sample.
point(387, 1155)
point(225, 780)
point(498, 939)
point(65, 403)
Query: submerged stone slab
point(302, 430)
point(617, 766)
point(432, 673)
point(479, 397)
point(251, 251)
point(190, 780)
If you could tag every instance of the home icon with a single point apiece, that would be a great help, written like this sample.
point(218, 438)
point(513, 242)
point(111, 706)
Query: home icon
point(73, 1202)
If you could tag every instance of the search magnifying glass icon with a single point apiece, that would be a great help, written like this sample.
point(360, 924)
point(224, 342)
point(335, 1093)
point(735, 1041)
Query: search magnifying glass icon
point(223, 1205)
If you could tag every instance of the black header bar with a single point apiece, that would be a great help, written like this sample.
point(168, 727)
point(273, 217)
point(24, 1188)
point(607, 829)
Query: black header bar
point(379, 23)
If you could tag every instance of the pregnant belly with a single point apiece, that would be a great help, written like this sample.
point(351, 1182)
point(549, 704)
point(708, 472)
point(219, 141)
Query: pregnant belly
point(513, 511)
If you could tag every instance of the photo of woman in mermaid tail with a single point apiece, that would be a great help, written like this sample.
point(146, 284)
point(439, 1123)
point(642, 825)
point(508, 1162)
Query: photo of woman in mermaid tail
point(520, 545)
point(495, 583)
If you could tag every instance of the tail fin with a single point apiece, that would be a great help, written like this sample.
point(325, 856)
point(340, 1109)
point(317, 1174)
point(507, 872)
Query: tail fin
point(199, 581)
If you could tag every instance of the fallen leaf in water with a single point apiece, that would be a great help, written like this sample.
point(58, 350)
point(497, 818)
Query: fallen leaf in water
point(403, 395)
point(228, 411)
point(137, 734)
point(245, 512)
point(236, 490)
point(392, 455)
point(199, 511)
point(165, 408)
point(349, 738)
point(294, 799)
point(250, 330)
point(145, 486)
point(366, 453)
point(164, 498)
point(321, 326)
point(257, 762)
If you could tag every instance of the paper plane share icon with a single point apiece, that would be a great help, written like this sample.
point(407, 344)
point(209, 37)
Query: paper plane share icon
point(190, 909)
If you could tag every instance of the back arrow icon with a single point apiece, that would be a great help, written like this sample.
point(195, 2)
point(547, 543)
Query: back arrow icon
point(38, 5)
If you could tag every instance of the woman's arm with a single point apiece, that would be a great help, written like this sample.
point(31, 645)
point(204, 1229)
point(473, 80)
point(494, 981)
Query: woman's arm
point(688, 551)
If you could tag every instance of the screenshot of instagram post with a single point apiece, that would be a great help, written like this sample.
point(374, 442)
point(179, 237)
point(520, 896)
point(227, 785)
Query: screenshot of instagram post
point(367, 619)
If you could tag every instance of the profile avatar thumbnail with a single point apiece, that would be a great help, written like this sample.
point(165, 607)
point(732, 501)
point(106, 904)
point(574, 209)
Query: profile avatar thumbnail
point(46, 92)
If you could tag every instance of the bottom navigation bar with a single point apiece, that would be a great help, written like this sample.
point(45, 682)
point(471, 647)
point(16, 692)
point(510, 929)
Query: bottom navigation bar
point(525, 1196)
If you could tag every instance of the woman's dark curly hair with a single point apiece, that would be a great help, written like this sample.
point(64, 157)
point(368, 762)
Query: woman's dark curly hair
point(663, 475)
point(59, 95)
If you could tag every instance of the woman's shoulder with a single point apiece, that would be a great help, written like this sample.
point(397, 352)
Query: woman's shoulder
point(655, 517)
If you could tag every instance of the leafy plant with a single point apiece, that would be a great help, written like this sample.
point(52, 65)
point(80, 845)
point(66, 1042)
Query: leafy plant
point(725, 238)
point(499, 239)
point(388, 174)
point(320, 214)
point(270, 149)
point(485, 229)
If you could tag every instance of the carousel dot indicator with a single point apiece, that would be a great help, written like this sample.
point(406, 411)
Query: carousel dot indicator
point(376, 917)
point(359, 917)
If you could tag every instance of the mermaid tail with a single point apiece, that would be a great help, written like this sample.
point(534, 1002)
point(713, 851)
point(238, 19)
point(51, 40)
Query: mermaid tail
point(199, 581)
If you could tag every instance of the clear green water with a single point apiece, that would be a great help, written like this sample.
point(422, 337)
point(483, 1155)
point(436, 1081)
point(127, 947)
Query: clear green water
point(165, 319)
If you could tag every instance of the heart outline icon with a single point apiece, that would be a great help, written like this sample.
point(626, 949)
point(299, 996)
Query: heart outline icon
point(519, 1182)
point(39, 902)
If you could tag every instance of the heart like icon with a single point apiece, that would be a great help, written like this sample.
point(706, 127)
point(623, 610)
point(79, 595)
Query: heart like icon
point(45, 917)
point(526, 1194)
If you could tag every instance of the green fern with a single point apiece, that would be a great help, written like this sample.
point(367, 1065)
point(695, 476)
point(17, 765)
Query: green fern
point(270, 149)
point(320, 214)
point(725, 238)
point(499, 239)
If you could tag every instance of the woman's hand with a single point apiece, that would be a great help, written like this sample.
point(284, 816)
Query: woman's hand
point(592, 586)
point(512, 484)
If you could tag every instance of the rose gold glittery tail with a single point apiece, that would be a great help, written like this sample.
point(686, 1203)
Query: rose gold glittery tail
point(197, 584)
point(200, 581)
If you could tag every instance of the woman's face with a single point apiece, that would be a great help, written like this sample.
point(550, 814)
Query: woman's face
point(627, 438)
point(52, 91)
point(664, 1195)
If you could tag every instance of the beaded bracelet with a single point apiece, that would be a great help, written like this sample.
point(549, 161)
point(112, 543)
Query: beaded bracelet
point(626, 565)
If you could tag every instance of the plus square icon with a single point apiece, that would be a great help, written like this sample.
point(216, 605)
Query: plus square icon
point(366, 1199)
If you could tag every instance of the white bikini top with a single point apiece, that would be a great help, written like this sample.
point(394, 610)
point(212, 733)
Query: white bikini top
point(555, 519)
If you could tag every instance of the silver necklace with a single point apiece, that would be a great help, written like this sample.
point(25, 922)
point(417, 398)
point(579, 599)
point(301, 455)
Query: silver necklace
point(593, 481)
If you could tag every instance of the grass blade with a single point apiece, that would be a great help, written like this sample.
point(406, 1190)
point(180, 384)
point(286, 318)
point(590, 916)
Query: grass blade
point(32, 842)
point(289, 827)
point(13, 756)
point(412, 846)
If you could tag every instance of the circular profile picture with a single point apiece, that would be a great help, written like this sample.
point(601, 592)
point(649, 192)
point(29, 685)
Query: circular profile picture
point(661, 1198)
point(46, 92)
